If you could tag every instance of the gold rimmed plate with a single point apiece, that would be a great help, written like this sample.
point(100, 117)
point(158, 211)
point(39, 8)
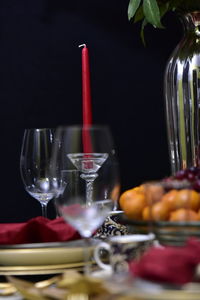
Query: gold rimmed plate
point(43, 254)
point(40, 270)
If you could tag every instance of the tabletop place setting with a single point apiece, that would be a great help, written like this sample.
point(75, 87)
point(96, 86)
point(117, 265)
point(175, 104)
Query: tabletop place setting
point(104, 243)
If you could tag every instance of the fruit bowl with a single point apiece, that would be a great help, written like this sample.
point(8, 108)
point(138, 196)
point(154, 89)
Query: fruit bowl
point(168, 208)
point(167, 233)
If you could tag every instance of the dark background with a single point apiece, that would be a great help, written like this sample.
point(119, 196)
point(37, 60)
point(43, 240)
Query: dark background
point(40, 85)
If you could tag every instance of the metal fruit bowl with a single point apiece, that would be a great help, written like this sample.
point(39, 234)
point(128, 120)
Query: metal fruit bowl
point(166, 232)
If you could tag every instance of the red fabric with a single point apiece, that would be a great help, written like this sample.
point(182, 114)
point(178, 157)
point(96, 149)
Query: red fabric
point(37, 230)
point(170, 264)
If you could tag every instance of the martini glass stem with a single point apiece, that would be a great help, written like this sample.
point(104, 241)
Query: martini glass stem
point(89, 179)
point(89, 192)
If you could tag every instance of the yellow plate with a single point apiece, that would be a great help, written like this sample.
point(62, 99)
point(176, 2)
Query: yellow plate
point(39, 270)
point(43, 254)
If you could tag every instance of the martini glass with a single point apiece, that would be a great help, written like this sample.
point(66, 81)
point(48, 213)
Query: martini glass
point(88, 164)
point(85, 148)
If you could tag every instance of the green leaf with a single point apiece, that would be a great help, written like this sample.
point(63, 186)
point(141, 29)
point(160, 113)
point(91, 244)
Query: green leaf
point(132, 8)
point(139, 15)
point(163, 9)
point(152, 12)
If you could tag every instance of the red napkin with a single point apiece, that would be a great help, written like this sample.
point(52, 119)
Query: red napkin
point(174, 265)
point(37, 230)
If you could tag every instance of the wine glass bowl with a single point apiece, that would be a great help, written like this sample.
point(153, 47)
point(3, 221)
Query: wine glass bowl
point(35, 165)
point(85, 218)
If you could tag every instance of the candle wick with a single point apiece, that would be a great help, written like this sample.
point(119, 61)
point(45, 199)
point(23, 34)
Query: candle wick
point(82, 45)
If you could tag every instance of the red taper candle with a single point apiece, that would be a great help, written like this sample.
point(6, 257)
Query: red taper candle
point(86, 88)
point(86, 100)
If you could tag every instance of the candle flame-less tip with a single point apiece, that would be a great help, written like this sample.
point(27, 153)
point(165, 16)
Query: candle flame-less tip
point(82, 45)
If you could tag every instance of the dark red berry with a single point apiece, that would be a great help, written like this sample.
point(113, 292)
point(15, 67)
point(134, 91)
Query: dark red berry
point(182, 174)
point(196, 185)
point(194, 170)
point(191, 176)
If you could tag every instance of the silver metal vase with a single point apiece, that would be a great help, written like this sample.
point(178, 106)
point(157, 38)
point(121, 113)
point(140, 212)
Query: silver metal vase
point(182, 96)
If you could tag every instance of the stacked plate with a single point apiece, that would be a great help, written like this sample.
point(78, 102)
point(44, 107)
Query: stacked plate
point(42, 258)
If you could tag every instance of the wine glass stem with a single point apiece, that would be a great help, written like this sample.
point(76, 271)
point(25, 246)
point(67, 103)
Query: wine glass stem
point(56, 208)
point(44, 209)
point(87, 265)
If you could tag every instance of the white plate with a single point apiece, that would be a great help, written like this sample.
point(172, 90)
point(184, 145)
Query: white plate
point(43, 254)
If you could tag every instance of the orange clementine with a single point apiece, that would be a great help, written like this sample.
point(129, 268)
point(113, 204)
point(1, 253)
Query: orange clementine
point(129, 194)
point(138, 189)
point(194, 200)
point(198, 214)
point(160, 211)
point(126, 195)
point(153, 192)
point(183, 214)
point(146, 214)
point(187, 199)
point(169, 199)
point(133, 205)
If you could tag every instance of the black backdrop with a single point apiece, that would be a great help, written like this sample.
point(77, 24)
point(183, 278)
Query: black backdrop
point(40, 85)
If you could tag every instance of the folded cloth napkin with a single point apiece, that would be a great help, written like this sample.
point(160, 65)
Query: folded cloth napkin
point(175, 265)
point(37, 230)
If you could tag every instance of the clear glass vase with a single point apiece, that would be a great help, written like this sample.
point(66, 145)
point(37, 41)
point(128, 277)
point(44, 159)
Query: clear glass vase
point(182, 96)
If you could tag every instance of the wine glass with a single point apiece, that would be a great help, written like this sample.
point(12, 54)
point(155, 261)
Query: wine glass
point(85, 149)
point(35, 166)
